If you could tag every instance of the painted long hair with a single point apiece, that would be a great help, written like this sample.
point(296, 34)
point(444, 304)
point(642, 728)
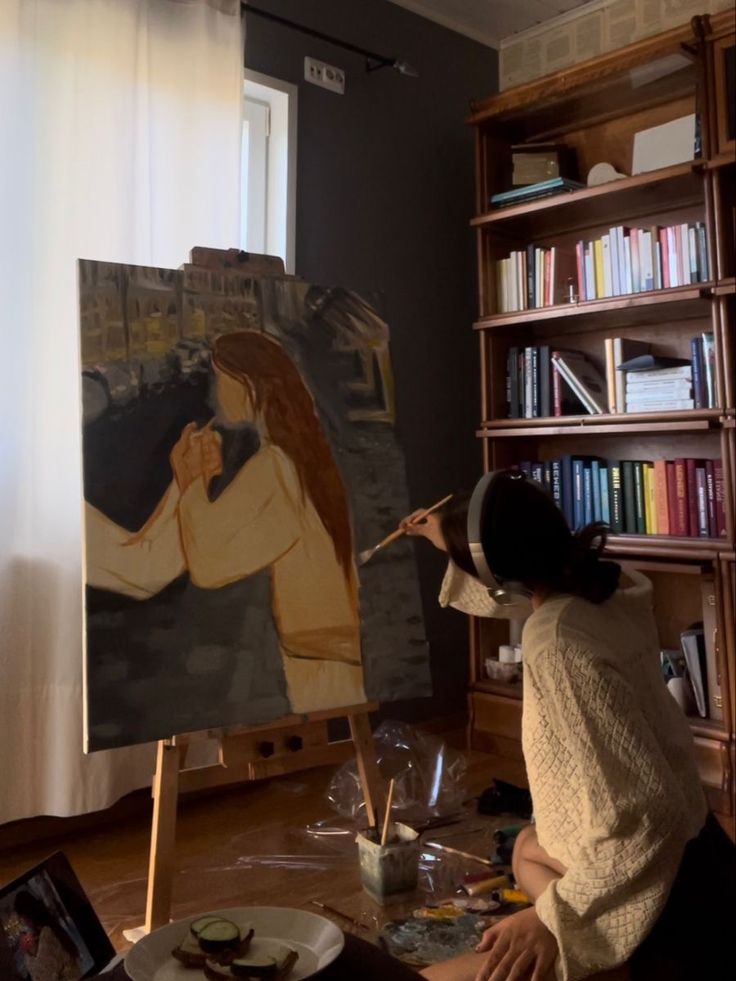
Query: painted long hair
point(279, 394)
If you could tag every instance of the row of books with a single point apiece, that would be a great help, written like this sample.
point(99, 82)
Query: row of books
point(635, 260)
point(623, 261)
point(542, 382)
point(683, 497)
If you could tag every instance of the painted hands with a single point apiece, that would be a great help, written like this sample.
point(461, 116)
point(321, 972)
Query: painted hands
point(521, 947)
point(197, 453)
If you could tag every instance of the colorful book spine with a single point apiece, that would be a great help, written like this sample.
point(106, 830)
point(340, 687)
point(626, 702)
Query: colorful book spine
point(627, 480)
point(702, 502)
point(709, 364)
point(661, 497)
point(650, 499)
point(720, 506)
point(640, 505)
point(615, 495)
point(672, 499)
point(578, 491)
point(681, 513)
point(595, 479)
point(699, 388)
point(692, 498)
point(605, 498)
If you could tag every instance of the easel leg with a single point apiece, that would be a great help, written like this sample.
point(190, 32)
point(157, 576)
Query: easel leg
point(163, 835)
point(370, 776)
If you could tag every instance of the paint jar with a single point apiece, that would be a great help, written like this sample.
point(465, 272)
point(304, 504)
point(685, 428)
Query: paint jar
point(389, 872)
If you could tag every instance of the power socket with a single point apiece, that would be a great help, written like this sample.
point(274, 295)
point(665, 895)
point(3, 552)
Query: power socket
point(324, 75)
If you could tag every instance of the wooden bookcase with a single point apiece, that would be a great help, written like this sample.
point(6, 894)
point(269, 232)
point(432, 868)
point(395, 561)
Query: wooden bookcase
point(596, 108)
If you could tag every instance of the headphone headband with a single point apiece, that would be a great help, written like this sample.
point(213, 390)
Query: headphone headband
point(503, 593)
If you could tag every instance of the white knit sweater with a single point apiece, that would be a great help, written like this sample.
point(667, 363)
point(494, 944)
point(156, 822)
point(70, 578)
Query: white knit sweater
point(610, 764)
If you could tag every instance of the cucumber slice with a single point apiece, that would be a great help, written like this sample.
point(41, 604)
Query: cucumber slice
point(198, 925)
point(218, 935)
point(263, 966)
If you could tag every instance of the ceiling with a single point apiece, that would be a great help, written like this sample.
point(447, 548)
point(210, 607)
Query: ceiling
point(489, 21)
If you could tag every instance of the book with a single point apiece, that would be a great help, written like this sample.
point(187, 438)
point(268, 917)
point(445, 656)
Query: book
point(512, 386)
point(588, 504)
point(650, 500)
point(702, 501)
point(529, 192)
point(661, 405)
point(629, 494)
point(557, 483)
point(699, 389)
point(528, 384)
point(545, 371)
point(650, 362)
point(584, 379)
point(709, 364)
point(624, 349)
point(712, 673)
point(639, 498)
point(693, 647)
point(692, 498)
point(605, 495)
point(610, 375)
point(566, 481)
point(719, 503)
point(661, 497)
point(595, 479)
point(578, 493)
point(607, 265)
point(598, 267)
point(710, 493)
point(672, 499)
point(615, 496)
point(681, 505)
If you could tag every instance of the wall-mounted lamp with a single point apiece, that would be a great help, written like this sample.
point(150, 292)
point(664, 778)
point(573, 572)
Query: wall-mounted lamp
point(373, 61)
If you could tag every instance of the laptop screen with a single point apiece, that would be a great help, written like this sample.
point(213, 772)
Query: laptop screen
point(50, 931)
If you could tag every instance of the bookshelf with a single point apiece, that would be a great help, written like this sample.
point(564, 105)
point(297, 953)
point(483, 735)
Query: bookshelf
point(596, 109)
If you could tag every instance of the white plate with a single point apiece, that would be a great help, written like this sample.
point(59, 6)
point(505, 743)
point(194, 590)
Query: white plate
point(317, 941)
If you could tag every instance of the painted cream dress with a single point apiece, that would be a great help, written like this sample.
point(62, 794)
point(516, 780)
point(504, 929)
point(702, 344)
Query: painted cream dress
point(262, 520)
point(609, 757)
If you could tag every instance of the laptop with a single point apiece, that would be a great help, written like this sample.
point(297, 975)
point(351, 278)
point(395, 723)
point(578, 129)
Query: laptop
point(48, 928)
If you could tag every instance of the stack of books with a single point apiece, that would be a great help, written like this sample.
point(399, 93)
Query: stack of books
point(635, 260)
point(682, 497)
point(659, 389)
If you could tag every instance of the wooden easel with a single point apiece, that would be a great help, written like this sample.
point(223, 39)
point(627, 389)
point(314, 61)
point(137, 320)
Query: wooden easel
point(296, 742)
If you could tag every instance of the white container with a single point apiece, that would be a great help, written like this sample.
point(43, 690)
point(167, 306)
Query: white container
point(500, 671)
point(506, 654)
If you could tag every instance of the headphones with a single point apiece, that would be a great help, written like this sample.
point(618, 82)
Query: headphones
point(503, 593)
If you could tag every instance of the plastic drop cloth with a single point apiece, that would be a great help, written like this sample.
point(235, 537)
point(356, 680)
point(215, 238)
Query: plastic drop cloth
point(429, 777)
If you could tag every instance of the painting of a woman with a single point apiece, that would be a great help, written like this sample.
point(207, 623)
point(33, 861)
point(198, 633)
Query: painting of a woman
point(285, 510)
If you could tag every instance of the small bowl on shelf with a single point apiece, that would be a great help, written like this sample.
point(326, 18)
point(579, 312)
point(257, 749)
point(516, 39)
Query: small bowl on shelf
point(500, 671)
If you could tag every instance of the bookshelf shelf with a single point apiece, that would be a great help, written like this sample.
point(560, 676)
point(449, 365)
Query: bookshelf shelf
point(531, 249)
point(677, 303)
point(694, 420)
point(676, 186)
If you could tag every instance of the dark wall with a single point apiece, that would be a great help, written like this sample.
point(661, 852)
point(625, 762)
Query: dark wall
point(384, 195)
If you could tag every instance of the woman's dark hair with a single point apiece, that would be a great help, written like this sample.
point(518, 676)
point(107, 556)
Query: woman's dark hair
point(32, 909)
point(526, 539)
point(454, 525)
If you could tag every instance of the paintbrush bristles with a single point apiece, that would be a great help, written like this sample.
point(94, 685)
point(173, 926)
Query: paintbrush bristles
point(364, 556)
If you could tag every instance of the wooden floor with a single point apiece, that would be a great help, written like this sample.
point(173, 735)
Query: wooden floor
point(276, 843)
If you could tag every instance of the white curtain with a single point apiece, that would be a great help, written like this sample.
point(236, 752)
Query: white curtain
point(120, 139)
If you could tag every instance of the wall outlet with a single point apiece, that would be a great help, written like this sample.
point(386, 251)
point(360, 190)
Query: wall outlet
point(329, 77)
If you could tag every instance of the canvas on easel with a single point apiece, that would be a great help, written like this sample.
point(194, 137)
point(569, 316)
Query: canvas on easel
point(239, 450)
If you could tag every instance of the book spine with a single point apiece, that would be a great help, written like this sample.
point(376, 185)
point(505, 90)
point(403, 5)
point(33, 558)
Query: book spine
point(627, 480)
point(702, 495)
point(545, 369)
point(672, 255)
point(557, 483)
point(528, 384)
point(692, 498)
point(580, 263)
point(696, 353)
point(709, 363)
point(692, 245)
point(547, 475)
point(615, 262)
point(720, 499)
point(535, 382)
point(658, 265)
point(610, 374)
point(710, 493)
point(578, 503)
point(615, 496)
point(605, 496)
point(640, 505)
point(556, 388)
point(703, 261)
point(595, 478)
point(590, 289)
point(607, 266)
point(650, 500)
point(587, 494)
point(620, 376)
point(672, 499)
point(634, 262)
point(628, 261)
point(513, 382)
point(537, 473)
point(683, 270)
point(694, 650)
point(568, 507)
point(683, 522)
point(713, 675)
point(661, 497)
point(530, 278)
point(548, 274)
point(598, 260)
point(647, 273)
point(664, 252)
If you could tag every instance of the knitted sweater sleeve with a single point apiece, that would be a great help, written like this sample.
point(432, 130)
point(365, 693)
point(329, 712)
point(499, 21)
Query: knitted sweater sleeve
point(595, 767)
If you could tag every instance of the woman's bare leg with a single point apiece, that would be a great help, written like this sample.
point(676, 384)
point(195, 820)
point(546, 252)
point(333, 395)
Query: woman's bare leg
point(533, 868)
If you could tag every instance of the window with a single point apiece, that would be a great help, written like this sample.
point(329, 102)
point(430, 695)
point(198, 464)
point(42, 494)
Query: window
point(268, 216)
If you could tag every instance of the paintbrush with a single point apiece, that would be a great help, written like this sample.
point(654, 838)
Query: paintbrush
point(368, 554)
point(387, 817)
point(337, 912)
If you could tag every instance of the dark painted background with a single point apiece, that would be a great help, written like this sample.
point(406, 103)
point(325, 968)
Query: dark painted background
point(384, 195)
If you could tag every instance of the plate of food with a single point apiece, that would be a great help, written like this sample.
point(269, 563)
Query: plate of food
point(237, 944)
